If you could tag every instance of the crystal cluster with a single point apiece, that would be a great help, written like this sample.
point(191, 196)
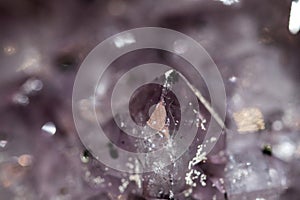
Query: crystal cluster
point(43, 43)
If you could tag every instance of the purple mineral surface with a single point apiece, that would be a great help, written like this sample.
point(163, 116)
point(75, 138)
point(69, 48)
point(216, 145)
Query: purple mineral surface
point(255, 46)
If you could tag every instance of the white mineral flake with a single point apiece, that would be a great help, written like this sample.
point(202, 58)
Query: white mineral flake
point(168, 73)
point(137, 179)
point(49, 128)
point(3, 143)
point(203, 179)
point(188, 178)
point(221, 180)
point(197, 173)
point(229, 2)
point(84, 159)
point(124, 185)
point(122, 124)
point(171, 196)
point(213, 139)
point(200, 156)
point(202, 125)
point(232, 79)
point(294, 22)
point(193, 175)
point(200, 118)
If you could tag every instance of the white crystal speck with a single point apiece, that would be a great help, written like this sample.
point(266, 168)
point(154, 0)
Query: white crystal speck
point(3, 143)
point(49, 128)
point(294, 22)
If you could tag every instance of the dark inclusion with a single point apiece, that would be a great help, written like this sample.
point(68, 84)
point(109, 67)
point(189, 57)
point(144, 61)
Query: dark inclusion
point(86, 153)
point(267, 150)
point(66, 62)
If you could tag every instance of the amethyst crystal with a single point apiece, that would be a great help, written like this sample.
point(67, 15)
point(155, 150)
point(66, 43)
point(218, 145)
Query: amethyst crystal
point(42, 46)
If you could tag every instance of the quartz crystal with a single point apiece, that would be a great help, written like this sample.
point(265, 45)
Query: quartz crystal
point(255, 45)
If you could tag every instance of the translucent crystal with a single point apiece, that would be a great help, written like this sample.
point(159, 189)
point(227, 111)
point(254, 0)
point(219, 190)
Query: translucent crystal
point(49, 128)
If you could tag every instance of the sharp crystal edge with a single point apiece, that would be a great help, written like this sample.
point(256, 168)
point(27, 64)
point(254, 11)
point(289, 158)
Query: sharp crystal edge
point(294, 22)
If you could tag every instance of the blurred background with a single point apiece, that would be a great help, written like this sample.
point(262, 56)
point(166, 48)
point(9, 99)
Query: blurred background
point(43, 43)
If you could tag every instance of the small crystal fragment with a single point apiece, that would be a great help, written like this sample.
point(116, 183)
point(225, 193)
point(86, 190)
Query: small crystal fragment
point(294, 22)
point(123, 186)
point(3, 140)
point(49, 128)
point(229, 2)
point(85, 156)
point(232, 79)
point(137, 179)
point(3, 143)
point(249, 120)
point(158, 118)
